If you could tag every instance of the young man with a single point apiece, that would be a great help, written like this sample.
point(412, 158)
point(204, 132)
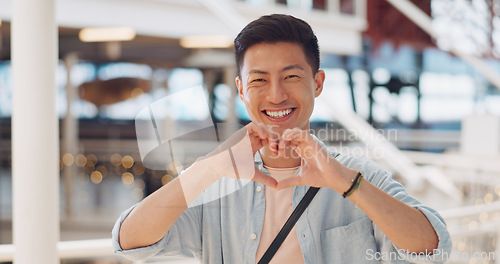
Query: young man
point(278, 62)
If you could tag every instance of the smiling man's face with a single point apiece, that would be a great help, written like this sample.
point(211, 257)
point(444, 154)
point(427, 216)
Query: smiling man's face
point(278, 86)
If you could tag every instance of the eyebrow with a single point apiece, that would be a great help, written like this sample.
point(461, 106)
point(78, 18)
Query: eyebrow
point(258, 72)
point(290, 67)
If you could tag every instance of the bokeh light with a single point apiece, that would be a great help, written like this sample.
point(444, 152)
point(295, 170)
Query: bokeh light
point(68, 159)
point(127, 178)
point(96, 177)
point(92, 158)
point(138, 169)
point(166, 179)
point(102, 170)
point(80, 160)
point(116, 159)
point(127, 162)
point(488, 198)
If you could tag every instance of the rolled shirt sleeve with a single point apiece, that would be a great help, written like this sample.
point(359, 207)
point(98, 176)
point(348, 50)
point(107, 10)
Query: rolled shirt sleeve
point(383, 180)
point(182, 239)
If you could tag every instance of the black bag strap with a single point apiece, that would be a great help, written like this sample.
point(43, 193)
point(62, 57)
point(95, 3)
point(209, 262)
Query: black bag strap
point(285, 230)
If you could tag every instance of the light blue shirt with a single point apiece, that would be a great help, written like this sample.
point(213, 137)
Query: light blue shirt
point(331, 230)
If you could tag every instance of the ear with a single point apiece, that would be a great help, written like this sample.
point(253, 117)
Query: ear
point(239, 84)
point(319, 80)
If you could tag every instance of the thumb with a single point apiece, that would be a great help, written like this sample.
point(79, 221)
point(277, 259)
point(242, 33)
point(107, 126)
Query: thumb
point(264, 179)
point(289, 182)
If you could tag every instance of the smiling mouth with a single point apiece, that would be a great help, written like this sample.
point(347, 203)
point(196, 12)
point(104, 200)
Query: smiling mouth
point(278, 114)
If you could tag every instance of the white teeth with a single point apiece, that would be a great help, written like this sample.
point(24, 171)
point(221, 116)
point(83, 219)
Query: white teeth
point(278, 114)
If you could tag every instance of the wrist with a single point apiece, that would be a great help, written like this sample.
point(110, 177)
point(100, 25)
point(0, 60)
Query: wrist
point(196, 179)
point(345, 180)
point(355, 184)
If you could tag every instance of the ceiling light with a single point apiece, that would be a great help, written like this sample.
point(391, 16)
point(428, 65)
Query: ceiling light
point(106, 34)
point(200, 41)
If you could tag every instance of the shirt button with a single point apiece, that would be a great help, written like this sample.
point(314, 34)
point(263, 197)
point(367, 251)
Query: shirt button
point(253, 236)
point(258, 189)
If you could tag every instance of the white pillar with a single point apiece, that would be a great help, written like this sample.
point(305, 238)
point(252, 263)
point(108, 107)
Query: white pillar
point(69, 133)
point(35, 139)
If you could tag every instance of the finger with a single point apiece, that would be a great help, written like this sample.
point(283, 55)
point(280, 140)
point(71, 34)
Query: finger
point(293, 134)
point(273, 131)
point(303, 144)
point(286, 136)
point(264, 179)
point(259, 136)
point(257, 130)
point(273, 145)
point(287, 139)
point(289, 182)
point(295, 142)
point(307, 152)
point(273, 137)
point(283, 143)
point(297, 149)
point(267, 136)
point(271, 140)
point(294, 151)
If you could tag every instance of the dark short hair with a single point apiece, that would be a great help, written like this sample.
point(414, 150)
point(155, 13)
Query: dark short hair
point(278, 28)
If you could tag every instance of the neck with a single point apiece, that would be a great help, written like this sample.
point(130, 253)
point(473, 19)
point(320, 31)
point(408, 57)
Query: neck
point(291, 159)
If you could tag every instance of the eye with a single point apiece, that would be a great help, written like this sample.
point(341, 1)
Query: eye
point(257, 80)
point(291, 76)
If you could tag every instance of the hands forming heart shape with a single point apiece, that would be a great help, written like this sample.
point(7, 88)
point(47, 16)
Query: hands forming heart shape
point(234, 158)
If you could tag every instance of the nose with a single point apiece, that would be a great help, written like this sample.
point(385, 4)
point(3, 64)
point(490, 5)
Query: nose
point(276, 93)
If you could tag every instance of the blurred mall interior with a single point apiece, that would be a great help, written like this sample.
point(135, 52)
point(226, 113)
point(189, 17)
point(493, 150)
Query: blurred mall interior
point(413, 85)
